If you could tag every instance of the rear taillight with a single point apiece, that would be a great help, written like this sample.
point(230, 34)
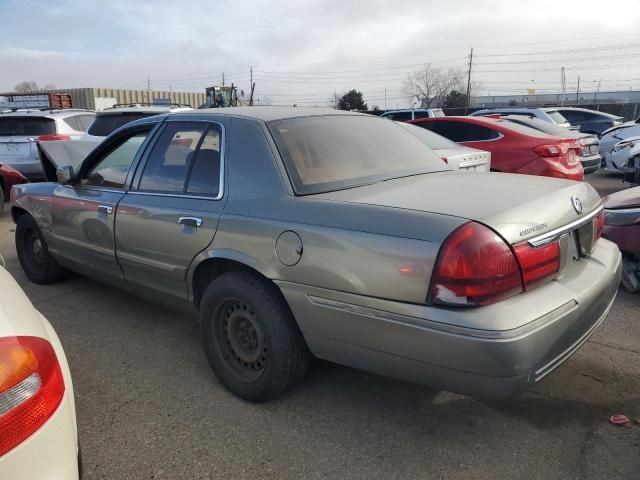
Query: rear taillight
point(537, 263)
point(31, 388)
point(555, 150)
point(475, 267)
point(599, 224)
point(53, 137)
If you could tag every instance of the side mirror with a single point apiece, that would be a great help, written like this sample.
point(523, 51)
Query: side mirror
point(65, 174)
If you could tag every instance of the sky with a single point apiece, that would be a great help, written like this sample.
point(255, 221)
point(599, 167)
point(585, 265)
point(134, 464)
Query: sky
point(305, 51)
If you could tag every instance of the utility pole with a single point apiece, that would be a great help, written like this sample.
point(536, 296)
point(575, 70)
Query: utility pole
point(385, 98)
point(578, 91)
point(563, 85)
point(597, 92)
point(469, 79)
point(223, 79)
point(251, 75)
point(148, 89)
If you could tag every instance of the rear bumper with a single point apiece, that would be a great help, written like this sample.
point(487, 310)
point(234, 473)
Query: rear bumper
point(31, 169)
point(591, 163)
point(493, 352)
point(552, 168)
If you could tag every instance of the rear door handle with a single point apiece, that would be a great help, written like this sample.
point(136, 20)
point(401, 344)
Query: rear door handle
point(190, 221)
point(105, 209)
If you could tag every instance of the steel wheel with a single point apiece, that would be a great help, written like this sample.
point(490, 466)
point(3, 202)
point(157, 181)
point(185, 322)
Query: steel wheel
point(34, 250)
point(241, 340)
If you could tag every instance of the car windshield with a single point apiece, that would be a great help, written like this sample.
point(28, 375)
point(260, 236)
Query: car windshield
point(429, 138)
point(332, 152)
point(104, 124)
point(556, 117)
point(26, 126)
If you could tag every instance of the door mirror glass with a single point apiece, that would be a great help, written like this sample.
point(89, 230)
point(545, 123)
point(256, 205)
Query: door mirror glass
point(65, 174)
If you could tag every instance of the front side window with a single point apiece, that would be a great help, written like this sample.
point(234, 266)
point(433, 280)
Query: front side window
point(112, 170)
point(185, 159)
point(332, 152)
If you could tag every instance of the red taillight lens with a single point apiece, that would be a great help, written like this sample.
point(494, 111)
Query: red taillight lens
point(599, 224)
point(53, 137)
point(537, 263)
point(31, 388)
point(475, 267)
point(556, 150)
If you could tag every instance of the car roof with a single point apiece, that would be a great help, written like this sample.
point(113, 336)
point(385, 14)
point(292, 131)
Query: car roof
point(49, 113)
point(144, 109)
point(578, 109)
point(545, 127)
point(268, 114)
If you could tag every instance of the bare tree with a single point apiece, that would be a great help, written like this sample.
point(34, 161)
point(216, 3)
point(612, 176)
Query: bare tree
point(49, 86)
point(431, 85)
point(28, 86)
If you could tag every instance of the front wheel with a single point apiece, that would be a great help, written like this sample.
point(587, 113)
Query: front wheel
point(250, 337)
point(33, 254)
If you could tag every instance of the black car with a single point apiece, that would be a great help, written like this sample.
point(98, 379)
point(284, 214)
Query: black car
point(590, 121)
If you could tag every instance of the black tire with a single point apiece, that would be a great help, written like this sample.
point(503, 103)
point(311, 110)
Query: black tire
point(251, 339)
point(33, 253)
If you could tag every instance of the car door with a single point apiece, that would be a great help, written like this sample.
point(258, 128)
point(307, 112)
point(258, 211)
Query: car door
point(172, 212)
point(82, 213)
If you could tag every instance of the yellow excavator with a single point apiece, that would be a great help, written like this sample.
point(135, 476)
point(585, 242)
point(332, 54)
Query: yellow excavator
point(221, 96)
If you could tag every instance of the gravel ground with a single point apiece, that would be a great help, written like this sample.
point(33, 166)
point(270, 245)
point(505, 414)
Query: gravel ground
point(149, 407)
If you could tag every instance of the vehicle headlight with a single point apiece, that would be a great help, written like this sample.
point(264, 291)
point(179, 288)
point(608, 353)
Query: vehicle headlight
point(623, 216)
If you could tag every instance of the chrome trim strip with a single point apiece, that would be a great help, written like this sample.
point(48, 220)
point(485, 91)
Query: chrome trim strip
point(425, 324)
point(500, 137)
point(173, 195)
point(553, 235)
point(557, 361)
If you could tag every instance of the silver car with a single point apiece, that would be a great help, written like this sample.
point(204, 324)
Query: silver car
point(547, 114)
point(20, 131)
point(297, 232)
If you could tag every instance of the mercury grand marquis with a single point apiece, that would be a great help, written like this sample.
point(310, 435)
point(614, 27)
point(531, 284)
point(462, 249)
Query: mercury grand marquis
point(295, 233)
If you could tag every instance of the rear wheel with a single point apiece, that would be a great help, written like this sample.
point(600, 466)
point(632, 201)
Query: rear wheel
point(251, 338)
point(33, 254)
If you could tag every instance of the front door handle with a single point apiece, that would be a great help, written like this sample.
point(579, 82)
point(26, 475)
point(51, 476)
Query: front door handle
point(105, 209)
point(190, 221)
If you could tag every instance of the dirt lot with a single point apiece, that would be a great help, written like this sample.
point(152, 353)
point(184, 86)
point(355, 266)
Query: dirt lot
point(149, 406)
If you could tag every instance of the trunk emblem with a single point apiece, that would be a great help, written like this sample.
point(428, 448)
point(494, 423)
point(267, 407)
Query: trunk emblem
point(577, 205)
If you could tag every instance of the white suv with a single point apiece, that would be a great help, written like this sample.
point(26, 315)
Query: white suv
point(110, 119)
point(412, 114)
point(19, 132)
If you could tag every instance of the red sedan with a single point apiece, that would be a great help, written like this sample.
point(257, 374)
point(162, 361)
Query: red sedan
point(514, 148)
point(9, 177)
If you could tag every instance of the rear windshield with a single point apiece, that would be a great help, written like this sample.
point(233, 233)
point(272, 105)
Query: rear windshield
point(524, 130)
point(541, 125)
point(332, 152)
point(557, 117)
point(26, 126)
point(429, 138)
point(104, 124)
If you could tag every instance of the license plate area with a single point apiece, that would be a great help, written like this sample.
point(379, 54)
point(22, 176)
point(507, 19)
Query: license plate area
point(584, 237)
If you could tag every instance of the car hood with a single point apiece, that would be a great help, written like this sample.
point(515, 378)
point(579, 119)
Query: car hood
point(61, 153)
point(629, 198)
point(518, 207)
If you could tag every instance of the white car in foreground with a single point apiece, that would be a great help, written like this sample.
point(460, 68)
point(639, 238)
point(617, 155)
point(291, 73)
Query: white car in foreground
point(38, 436)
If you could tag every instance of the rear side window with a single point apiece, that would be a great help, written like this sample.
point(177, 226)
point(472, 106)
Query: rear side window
point(401, 116)
point(185, 159)
point(26, 126)
point(462, 131)
point(79, 122)
point(421, 114)
point(103, 125)
point(556, 117)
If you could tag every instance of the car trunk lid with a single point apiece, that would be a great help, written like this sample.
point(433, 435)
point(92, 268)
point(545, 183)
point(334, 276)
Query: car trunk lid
point(466, 159)
point(518, 207)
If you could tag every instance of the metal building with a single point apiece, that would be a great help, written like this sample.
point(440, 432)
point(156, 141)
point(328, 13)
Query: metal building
point(101, 98)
